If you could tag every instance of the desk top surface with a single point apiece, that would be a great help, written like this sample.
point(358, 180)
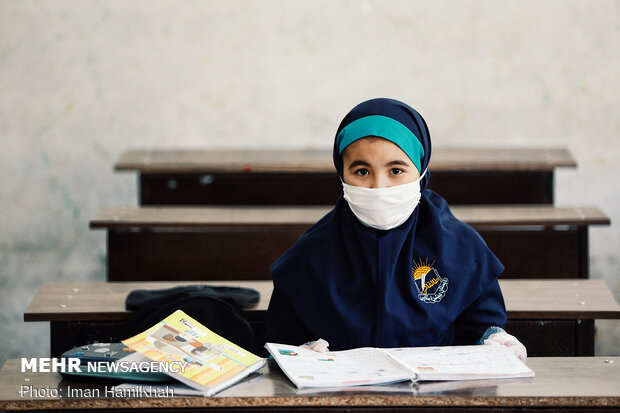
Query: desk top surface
point(304, 216)
point(525, 299)
point(444, 159)
point(559, 382)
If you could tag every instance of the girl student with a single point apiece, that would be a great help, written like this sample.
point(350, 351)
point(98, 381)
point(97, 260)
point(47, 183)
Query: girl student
point(389, 266)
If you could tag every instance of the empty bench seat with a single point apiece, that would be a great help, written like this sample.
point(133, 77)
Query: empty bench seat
point(240, 243)
point(85, 312)
point(308, 177)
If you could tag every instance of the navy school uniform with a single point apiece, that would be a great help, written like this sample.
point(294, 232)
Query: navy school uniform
point(430, 281)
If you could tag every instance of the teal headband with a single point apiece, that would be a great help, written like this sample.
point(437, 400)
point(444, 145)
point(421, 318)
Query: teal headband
point(386, 128)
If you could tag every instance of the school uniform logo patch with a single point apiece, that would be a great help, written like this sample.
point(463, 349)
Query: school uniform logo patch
point(431, 286)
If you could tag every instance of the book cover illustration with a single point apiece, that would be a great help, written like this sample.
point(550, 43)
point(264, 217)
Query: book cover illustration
point(211, 361)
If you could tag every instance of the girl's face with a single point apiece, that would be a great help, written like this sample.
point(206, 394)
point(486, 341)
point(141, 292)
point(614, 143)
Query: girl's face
point(375, 162)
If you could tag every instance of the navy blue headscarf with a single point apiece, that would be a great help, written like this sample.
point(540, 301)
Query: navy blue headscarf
point(430, 281)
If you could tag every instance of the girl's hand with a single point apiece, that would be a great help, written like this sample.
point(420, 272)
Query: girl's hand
point(320, 346)
point(505, 339)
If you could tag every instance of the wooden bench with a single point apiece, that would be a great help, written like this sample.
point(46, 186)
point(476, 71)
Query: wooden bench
point(240, 243)
point(307, 176)
point(551, 317)
point(561, 385)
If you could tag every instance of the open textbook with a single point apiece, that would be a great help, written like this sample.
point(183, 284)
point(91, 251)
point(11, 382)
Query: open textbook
point(204, 360)
point(367, 365)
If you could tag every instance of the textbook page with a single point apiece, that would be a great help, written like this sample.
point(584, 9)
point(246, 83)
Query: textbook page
point(210, 362)
point(361, 366)
point(462, 362)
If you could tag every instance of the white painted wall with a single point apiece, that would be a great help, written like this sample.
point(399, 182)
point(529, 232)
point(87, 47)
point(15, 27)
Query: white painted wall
point(82, 81)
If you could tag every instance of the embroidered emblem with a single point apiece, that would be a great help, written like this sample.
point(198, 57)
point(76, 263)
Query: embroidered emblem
point(431, 286)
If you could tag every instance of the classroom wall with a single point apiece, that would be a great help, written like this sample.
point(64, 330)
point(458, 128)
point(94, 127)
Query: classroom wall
point(82, 81)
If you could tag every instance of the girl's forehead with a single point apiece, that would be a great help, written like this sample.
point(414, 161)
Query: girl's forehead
point(373, 146)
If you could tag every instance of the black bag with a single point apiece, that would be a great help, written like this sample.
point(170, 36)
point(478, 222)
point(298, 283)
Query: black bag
point(217, 308)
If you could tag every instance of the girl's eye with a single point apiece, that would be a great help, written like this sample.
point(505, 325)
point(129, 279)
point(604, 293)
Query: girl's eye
point(396, 171)
point(362, 172)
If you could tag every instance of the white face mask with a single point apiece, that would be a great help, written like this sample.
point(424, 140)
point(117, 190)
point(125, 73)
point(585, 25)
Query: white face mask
point(383, 208)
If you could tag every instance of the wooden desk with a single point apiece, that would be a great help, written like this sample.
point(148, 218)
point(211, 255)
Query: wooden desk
point(307, 176)
point(551, 317)
point(561, 385)
point(240, 243)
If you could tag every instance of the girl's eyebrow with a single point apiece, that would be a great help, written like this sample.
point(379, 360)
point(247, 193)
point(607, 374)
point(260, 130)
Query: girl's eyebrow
point(397, 162)
point(358, 162)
